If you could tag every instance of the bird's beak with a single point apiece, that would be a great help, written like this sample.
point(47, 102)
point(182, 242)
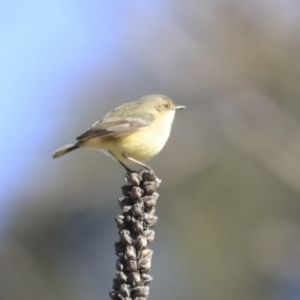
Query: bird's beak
point(179, 107)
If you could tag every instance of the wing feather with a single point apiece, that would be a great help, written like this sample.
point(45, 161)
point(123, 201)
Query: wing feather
point(116, 127)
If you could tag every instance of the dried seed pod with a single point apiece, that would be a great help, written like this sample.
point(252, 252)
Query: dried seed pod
point(133, 179)
point(146, 252)
point(121, 277)
point(148, 176)
point(140, 291)
point(120, 265)
point(149, 234)
point(137, 226)
point(136, 192)
point(150, 201)
point(126, 208)
point(144, 263)
point(157, 182)
point(125, 237)
point(129, 218)
point(126, 189)
point(146, 278)
point(151, 211)
point(132, 265)
point(149, 187)
point(130, 253)
point(124, 290)
point(141, 242)
point(137, 210)
point(120, 221)
point(134, 279)
point(150, 220)
point(124, 201)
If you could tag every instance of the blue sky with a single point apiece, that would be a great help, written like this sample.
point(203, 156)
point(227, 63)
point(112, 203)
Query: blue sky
point(46, 47)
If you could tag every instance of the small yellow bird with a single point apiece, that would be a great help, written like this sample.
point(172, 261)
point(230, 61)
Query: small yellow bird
point(132, 133)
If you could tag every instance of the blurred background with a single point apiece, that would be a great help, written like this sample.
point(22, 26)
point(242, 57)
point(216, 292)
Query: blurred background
point(229, 210)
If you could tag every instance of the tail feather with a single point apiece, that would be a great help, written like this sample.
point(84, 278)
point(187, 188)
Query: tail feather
point(64, 150)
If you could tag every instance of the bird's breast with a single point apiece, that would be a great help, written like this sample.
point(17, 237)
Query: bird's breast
point(148, 142)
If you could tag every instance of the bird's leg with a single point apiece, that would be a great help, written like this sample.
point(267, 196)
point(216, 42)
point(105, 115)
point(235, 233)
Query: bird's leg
point(139, 163)
point(126, 168)
point(122, 164)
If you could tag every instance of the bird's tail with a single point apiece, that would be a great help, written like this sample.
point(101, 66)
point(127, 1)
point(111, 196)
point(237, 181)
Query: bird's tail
point(64, 150)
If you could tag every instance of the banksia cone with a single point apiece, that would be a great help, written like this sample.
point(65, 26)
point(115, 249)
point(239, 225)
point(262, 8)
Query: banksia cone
point(135, 230)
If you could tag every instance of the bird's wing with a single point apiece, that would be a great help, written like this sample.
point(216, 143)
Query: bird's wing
point(117, 127)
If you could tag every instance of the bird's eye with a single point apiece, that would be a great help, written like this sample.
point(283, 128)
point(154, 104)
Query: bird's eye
point(166, 105)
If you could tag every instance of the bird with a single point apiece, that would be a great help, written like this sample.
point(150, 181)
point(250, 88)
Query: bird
point(133, 132)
